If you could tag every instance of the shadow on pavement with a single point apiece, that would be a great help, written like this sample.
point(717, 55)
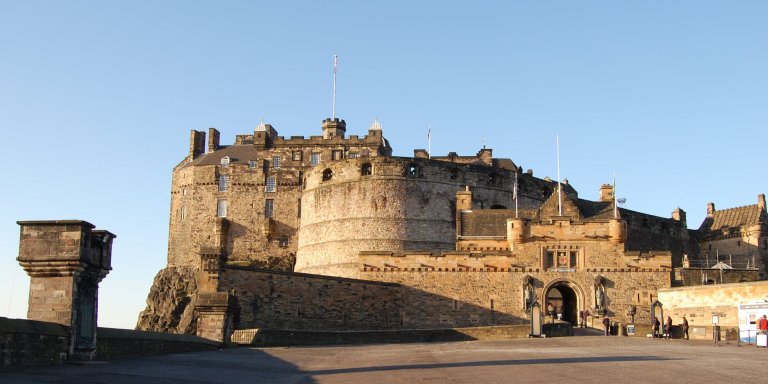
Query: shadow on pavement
point(574, 360)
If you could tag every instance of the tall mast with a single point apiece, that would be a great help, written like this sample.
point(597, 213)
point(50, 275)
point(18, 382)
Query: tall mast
point(335, 64)
point(559, 185)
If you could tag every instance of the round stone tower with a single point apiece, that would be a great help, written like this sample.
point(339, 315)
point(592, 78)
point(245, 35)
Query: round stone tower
point(383, 204)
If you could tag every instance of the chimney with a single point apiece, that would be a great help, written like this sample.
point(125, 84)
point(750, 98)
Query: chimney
point(761, 202)
point(606, 193)
point(196, 143)
point(710, 209)
point(679, 215)
point(213, 139)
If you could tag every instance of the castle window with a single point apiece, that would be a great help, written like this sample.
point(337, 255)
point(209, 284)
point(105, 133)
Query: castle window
point(366, 169)
point(184, 192)
point(225, 161)
point(337, 155)
point(269, 207)
point(327, 175)
point(276, 162)
point(223, 183)
point(314, 158)
point(182, 213)
point(353, 155)
point(251, 164)
point(271, 184)
point(301, 178)
point(282, 242)
point(298, 209)
point(296, 155)
point(221, 208)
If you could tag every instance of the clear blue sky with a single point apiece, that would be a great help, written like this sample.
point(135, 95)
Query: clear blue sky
point(97, 99)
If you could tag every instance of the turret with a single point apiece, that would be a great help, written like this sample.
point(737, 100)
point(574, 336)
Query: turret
point(463, 203)
point(263, 135)
point(334, 128)
point(518, 232)
point(617, 229)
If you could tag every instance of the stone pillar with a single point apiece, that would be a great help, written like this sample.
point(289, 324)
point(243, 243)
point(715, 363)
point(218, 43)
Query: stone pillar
point(215, 315)
point(66, 260)
point(215, 311)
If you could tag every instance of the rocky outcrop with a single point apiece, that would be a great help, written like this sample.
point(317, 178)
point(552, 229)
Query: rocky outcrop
point(170, 304)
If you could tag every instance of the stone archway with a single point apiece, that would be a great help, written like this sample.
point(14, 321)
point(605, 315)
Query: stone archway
point(566, 297)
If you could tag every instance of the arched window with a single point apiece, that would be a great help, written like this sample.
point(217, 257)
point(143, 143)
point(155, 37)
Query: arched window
point(366, 169)
point(327, 175)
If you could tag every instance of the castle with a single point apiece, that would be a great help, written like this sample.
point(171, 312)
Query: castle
point(333, 232)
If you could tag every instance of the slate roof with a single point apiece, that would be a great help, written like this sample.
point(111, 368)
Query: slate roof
point(490, 222)
point(237, 154)
point(733, 218)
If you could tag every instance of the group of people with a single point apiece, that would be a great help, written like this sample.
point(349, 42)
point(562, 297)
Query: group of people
point(668, 328)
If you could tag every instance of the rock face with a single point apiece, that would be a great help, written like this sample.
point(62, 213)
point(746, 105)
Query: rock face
point(170, 304)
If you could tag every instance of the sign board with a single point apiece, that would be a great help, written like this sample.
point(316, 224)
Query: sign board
point(630, 329)
point(749, 317)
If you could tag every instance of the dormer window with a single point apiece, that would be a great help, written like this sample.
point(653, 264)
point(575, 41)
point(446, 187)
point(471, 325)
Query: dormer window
point(252, 164)
point(225, 161)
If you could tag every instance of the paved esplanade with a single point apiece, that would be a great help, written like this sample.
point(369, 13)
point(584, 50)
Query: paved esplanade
point(589, 359)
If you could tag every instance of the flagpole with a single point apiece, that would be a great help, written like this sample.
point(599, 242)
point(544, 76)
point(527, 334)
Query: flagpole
point(335, 63)
point(615, 206)
point(514, 194)
point(559, 186)
point(429, 141)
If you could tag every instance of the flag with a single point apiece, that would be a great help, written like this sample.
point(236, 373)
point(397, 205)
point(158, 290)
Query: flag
point(514, 188)
point(335, 63)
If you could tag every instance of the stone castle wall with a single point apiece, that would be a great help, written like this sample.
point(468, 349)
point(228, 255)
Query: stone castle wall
point(286, 300)
point(253, 235)
point(403, 204)
point(699, 303)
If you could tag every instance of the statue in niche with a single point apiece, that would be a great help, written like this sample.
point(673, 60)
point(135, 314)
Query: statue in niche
point(529, 295)
point(600, 304)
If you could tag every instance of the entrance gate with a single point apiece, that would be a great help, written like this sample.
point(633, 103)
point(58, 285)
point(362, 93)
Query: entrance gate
point(565, 300)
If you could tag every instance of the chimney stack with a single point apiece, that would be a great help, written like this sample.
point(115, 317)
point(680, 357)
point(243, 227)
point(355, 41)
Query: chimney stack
point(761, 202)
point(606, 193)
point(213, 139)
point(710, 209)
point(196, 143)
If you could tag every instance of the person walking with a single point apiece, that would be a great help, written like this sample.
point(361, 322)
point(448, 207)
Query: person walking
point(607, 325)
point(763, 325)
point(586, 317)
point(668, 328)
point(656, 325)
point(684, 325)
